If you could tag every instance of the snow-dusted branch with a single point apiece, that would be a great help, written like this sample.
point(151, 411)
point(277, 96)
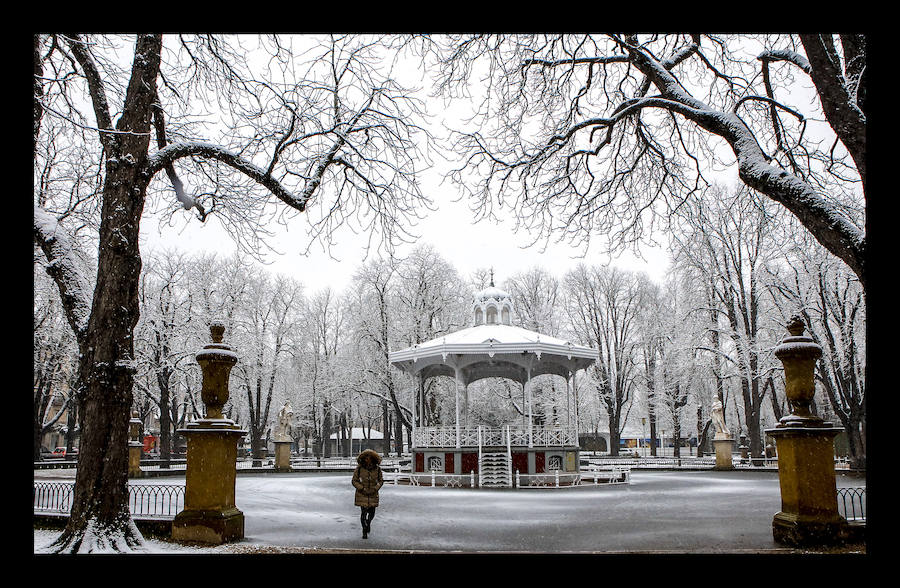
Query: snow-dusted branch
point(95, 86)
point(63, 267)
point(167, 155)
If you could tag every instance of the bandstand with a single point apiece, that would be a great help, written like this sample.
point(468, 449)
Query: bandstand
point(513, 455)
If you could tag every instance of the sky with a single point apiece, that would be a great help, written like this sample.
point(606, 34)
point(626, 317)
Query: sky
point(450, 229)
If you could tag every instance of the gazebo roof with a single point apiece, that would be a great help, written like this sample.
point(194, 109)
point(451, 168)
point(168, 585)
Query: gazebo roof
point(493, 350)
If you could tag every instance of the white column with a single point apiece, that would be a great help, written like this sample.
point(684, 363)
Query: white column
point(456, 379)
point(530, 419)
point(420, 405)
point(575, 401)
point(466, 405)
point(416, 400)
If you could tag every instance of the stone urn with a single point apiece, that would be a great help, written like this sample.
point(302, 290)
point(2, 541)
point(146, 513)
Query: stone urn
point(216, 360)
point(798, 354)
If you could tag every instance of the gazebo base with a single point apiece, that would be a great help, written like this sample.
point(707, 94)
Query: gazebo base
point(522, 459)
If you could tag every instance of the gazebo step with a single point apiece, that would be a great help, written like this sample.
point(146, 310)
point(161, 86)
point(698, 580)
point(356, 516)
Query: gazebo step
point(495, 470)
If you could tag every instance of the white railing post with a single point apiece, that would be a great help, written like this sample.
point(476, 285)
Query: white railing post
point(556, 475)
point(471, 478)
point(480, 464)
point(518, 479)
point(509, 458)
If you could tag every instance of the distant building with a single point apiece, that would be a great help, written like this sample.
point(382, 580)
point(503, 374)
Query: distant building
point(361, 439)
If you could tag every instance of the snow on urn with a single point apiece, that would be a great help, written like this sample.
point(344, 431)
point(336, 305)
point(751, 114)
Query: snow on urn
point(216, 360)
point(798, 353)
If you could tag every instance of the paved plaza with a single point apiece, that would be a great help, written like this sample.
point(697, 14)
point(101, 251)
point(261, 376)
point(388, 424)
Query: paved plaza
point(659, 511)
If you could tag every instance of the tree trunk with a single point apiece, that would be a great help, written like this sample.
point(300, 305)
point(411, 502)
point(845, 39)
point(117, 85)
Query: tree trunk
point(386, 420)
point(100, 514)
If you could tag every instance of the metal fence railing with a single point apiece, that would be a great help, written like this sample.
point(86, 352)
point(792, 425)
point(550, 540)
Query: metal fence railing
point(151, 501)
point(852, 503)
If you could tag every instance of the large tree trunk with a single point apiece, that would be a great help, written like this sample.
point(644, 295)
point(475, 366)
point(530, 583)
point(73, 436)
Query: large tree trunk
point(100, 519)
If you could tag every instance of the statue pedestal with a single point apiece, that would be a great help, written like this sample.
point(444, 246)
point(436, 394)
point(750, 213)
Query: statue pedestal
point(283, 456)
point(134, 459)
point(723, 445)
point(809, 514)
point(209, 514)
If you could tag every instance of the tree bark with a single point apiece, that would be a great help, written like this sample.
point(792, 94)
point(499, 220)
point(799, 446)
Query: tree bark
point(100, 510)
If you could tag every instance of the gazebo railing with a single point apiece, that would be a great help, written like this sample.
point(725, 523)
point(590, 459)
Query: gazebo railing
point(541, 436)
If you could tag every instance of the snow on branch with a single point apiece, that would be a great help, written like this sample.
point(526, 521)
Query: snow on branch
point(165, 156)
point(63, 267)
point(785, 55)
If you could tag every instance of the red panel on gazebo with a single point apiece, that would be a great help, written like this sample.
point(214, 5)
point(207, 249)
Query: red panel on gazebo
point(539, 462)
point(469, 462)
point(420, 462)
point(520, 462)
point(448, 463)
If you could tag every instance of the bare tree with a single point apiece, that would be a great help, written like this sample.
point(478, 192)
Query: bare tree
point(603, 305)
point(330, 136)
point(726, 240)
point(831, 303)
point(161, 347)
point(266, 320)
point(584, 135)
point(54, 367)
point(538, 300)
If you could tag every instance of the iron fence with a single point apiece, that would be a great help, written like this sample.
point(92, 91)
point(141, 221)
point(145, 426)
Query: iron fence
point(852, 503)
point(144, 500)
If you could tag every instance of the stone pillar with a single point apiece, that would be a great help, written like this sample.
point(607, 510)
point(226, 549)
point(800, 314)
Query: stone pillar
point(283, 456)
point(805, 445)
point(135, 447)
point(723, 442)
point(210, 515)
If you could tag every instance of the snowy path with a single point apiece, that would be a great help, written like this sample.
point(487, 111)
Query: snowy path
point(698, 512)
point(686, 511)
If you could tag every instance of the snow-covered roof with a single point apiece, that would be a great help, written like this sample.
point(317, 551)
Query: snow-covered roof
point(493, 350)
point(496, 334)
point(491, 292)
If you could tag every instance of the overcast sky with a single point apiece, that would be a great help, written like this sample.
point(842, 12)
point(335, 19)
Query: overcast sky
point(450, 229)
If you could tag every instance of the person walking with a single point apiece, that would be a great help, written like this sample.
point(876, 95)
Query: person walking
point(367, 479)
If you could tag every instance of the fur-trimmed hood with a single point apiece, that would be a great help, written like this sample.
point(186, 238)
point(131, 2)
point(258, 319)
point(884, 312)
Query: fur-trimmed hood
point(368, 453)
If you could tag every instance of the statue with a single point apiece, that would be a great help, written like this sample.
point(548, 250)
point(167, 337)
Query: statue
point(718, 418)
point(283, 429)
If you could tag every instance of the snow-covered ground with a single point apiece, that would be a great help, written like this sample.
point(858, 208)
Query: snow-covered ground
point(695, 511)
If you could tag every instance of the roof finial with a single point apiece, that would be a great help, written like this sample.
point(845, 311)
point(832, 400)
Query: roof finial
point(492, 277)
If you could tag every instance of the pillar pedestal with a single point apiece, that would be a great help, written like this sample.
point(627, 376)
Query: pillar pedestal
point(723, 445)
point(134, 460)
point(210, 515)
point(809, 514)
point(135, 446)
point(283, 456)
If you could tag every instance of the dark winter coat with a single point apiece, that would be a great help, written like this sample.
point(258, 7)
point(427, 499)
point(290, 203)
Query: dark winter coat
point(367, 479)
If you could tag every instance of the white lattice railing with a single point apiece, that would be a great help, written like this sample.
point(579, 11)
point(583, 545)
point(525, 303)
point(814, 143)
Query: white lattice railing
point(541, 436)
